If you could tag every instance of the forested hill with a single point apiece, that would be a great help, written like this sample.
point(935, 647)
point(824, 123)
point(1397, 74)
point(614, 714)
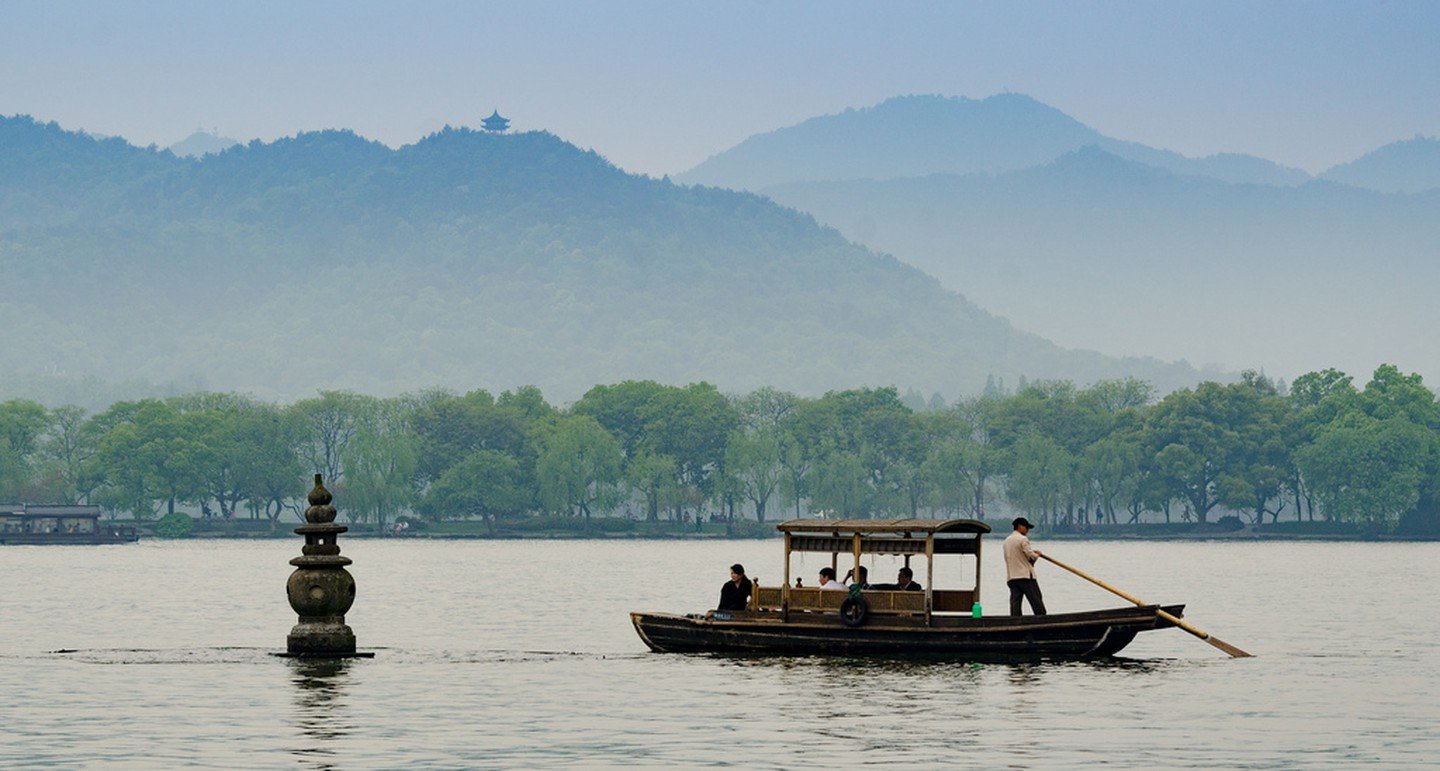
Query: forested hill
point(464, 260)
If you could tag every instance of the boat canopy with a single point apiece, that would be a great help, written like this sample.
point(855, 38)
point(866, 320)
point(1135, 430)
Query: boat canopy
point(867, 526)
point(883, 536)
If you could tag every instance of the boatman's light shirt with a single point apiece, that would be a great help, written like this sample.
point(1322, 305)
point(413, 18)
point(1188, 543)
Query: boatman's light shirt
point(1019, 557)
point(833, 585)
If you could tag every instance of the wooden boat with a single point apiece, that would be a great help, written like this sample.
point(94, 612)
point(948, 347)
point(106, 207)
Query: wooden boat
point(31, 524)
point(935, 622)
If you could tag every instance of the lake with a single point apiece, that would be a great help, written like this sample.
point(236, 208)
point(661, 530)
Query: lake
point(521, 653)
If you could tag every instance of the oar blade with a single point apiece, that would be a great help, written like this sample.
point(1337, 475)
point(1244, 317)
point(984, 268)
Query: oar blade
point(1202, 634)
point(1228, 648)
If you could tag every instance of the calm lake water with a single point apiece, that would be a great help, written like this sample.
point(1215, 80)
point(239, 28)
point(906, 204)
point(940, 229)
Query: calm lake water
point(521, 653)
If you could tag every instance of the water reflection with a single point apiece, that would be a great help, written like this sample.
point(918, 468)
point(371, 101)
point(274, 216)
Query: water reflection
point(321, 714)
point(930, 665)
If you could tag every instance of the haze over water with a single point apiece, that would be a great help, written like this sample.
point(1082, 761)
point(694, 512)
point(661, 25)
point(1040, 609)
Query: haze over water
point(520, 653)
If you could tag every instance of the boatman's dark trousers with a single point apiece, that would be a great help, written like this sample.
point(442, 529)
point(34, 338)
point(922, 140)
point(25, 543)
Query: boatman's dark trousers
point(1028, 588)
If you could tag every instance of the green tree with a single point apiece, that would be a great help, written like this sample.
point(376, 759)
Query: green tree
point(652, 477)
point(1262, 464)
point(579, 467)
point(22, 423)
point(1316, 399)
point(485, 484)
point(983, 460)
point(380, 462)
point(450, 428)
point(753, 462)
point(151, 452)
point(1039, 470)
point(1114, 463)
point(623, 409)
point(72, 445)
point(330, 421)
point(527, 402)
point(267, 468)
point(1364, 469)
point(1194, 440)
point(873, 426)
point(797, 465)
point(691, 425)
point(840, 486)
point(953, 462)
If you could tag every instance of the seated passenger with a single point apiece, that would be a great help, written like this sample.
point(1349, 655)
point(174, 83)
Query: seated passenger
point(905, 582)
point(735, 594)
point(862, 578)
point(827, 580)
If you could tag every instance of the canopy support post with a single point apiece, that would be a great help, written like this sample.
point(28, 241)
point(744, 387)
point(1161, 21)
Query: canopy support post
point(856, 569)
point(977, 568)
point(929, 579)
point(785, 586)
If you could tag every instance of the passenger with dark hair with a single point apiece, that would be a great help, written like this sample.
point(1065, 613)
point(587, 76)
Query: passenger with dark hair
point(827, 580)
point(861, 576)
point(904, 581)
point(735, 594)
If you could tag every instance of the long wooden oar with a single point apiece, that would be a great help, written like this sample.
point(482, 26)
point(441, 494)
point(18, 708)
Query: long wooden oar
point(1198, 632)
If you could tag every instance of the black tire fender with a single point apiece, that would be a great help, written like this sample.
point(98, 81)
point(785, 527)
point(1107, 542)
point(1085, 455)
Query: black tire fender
point(854, 610)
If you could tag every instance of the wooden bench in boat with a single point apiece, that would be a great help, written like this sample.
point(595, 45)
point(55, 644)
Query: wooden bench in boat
point(881, 601)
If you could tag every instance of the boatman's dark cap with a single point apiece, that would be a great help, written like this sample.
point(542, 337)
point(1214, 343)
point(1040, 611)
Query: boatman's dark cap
point(1022, 521)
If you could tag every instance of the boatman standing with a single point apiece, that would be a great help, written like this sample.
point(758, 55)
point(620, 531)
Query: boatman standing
point(1020, 559)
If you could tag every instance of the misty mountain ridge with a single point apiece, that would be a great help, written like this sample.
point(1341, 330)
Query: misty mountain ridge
point(1408, 166)
point(202, 143)
point(1098, 251)
point(912, 136)
point(464, 260)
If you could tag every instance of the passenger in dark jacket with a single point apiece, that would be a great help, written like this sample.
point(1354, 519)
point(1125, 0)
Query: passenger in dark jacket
point(735, 594)
point(904, 581)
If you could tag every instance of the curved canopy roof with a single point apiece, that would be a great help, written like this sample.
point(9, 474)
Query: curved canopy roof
point(863, 526)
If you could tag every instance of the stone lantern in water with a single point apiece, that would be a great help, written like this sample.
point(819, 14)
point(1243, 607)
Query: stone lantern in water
point(321, 589)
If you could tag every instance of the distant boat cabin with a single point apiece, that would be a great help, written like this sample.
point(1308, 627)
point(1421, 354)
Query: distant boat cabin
point(22, 523)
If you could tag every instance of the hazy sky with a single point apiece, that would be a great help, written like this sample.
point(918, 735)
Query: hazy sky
point(659, 86)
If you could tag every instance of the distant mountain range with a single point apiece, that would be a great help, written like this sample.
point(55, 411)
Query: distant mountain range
point(913, 136)
point(917, 135)
point(202, 143)
point(1100, 244)
point(464, 260)
point(1410, 166)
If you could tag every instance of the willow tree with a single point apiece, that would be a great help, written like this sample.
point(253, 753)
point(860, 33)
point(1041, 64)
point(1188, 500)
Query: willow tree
point(579, 467)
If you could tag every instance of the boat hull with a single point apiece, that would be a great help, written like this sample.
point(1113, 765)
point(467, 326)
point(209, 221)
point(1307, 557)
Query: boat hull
point(1089, 634)
point(84, 539)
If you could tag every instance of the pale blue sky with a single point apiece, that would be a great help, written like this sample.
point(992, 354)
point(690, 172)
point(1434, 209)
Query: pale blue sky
point(659, 86)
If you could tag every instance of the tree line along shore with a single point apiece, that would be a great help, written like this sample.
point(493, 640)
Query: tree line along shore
point(1322, 458)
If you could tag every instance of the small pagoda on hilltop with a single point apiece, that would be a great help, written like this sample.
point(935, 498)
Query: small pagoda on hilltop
point(495, 123)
